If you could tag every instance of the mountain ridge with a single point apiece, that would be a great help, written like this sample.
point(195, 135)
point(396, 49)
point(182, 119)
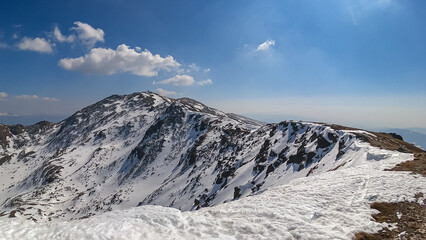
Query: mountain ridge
point(143, 148)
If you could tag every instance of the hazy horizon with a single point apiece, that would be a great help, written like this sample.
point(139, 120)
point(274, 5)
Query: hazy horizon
point(269, 112)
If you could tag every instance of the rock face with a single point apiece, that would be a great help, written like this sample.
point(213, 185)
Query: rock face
point(143, 148)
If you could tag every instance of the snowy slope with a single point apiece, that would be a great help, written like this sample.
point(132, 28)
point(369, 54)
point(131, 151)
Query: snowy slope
point(332, 205)
point(145, 149)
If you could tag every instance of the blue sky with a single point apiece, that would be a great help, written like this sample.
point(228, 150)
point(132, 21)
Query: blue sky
point(358, 63)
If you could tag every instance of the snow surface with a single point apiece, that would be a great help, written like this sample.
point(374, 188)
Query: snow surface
point(329, 205)
point(144, 149)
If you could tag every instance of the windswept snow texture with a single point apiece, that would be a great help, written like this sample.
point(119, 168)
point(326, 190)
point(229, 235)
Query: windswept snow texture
point(331, 205)
point(287, 179)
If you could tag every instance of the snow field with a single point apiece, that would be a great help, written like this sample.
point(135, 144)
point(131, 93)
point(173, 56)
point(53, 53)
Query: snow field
point(330, 205)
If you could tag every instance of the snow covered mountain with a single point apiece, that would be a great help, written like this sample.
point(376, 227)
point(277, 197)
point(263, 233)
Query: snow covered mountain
point(146, 149)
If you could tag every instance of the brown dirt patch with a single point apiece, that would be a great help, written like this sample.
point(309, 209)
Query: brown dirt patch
point(339, 166)
point(417, 166)
point(410, 218)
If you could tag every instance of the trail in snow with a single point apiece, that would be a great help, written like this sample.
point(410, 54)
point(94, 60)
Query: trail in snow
point(331, 205)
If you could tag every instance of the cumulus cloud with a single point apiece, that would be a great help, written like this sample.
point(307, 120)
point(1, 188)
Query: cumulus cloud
point(87, 34)
point(266, 45)
point(205, 82)
point(35, 97)
point(61, 38)
point(165, 92)
point(37, 44)
point(107, 61)
point(178, 80)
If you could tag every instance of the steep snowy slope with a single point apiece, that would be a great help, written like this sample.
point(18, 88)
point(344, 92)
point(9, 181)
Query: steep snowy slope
point(333, 205)
point(140, 149)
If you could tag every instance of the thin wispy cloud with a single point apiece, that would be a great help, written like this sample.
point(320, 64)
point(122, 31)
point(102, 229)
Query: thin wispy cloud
point(3, 45)
point(194, 67)
point(61, 38)
point(205, 82)
point(183, 81)
point(50, 99)
point(40, 45)
point(353, 18)
point(359, 10)
point(3, 95)
point(35, 97)
point(266, 45)
point(107, 61)
point(28, 97)
point(165, 92)
point(3, 114)
point(178, 80)
point(384, 3)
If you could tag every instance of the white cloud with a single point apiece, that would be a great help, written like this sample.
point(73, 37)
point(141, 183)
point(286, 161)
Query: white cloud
point(87, 34)
point(205, 82)
point(266, 45)
point(207, 70)
point(14, 36)
point(37, 44)
point(35, 97)
point(3, 45)
point(28, 97)
point(183, 81)
point(165, 92)
point(50, 99)
point(3, 95)
point(61, 38)
point(106, 61)
point(194, 67)
point(2, 114)
point(178, 80)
